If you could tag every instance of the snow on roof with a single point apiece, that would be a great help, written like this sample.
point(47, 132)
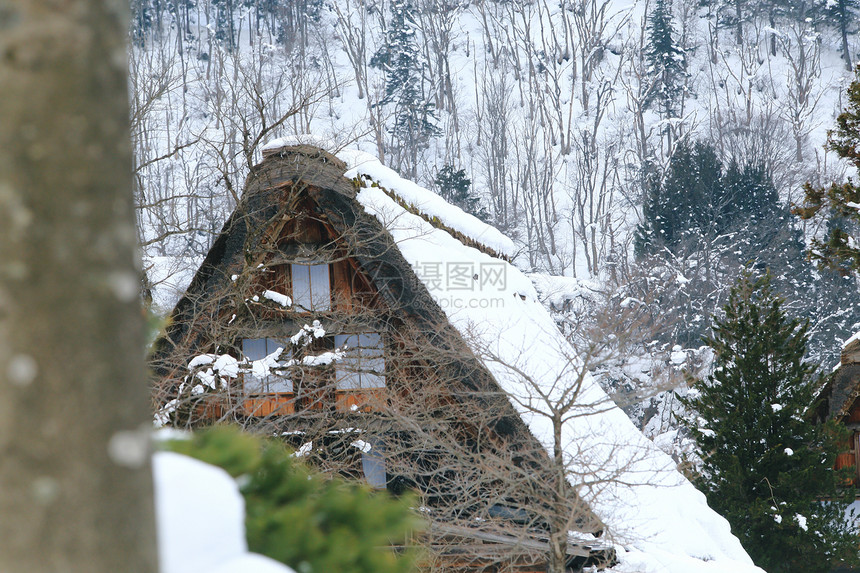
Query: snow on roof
point(427, 202)
point(300, 139)
point(657, 519)
point(854, 338)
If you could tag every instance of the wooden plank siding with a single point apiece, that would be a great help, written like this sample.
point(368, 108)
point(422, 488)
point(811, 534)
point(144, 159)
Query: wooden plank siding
point(850, 455)
point(269, 405)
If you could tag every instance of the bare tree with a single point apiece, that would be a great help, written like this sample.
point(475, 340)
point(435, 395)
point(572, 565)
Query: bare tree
point(801, 48)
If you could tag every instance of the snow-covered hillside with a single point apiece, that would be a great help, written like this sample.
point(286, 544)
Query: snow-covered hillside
point(544, 105)
point(549, 112)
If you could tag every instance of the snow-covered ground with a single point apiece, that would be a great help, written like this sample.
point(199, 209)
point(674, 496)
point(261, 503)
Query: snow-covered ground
point(201, 520)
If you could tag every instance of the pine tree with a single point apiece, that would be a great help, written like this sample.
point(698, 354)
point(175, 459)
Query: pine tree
point(455, 187)
point(840, 248)
point(414, 113)
point(765, 466)
point(666, 61)
point(683, 205)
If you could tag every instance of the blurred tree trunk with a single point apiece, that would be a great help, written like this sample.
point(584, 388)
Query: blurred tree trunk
point(75, 480)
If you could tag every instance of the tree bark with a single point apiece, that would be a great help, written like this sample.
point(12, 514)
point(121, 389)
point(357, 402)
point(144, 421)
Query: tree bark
point(844, 17)
point(75, 480)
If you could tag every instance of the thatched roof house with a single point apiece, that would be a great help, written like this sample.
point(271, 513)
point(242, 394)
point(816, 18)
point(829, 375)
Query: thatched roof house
point(386, 333)
point(839, 400)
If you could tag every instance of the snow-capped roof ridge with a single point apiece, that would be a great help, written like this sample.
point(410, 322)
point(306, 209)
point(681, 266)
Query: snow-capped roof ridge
point(437, 222)
point(428, 205)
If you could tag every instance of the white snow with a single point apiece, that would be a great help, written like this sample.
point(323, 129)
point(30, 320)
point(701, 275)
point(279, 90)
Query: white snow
point(801, 521)
point(362, 445)
point(201, 360)
point(299, 139)
point(262, 367)
point(657, 519)
point(322, 359)
point(201, 520)
point(427, 202)
point(560, 290)
point(856, 336)
point(279, 298)
point(308, 333)
point(226, 365)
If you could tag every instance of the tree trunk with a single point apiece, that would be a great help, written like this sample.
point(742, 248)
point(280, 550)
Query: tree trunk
point(739, 27)
point(843, 30)
point(75, 481)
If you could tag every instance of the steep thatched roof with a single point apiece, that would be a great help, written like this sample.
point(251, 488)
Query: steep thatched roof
point(297, 178)
point(843, 389)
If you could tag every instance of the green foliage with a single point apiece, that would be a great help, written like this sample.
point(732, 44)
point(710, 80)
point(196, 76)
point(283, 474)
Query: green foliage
point(840, 202)
point(697, 200)
point(310, 522)
point(665, 59)
point(765, 466)
point(455, 187)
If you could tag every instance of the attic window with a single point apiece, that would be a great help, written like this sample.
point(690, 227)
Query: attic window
point(261, 380)
point(363, 364)
point(311, 287)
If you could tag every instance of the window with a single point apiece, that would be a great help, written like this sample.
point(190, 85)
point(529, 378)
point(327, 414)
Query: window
point(373, 464)
point(261, 380)
point(363, 364)
point(311, 287)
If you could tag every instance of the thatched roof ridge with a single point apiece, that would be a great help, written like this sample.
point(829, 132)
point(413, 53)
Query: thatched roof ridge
point(306, 163)
point(841, 392)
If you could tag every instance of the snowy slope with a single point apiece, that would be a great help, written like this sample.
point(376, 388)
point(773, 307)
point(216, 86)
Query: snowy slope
point(742, 97)
point(657, 519)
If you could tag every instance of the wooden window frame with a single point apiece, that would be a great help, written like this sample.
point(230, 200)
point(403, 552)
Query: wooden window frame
point(265, 383)
point(311, 301)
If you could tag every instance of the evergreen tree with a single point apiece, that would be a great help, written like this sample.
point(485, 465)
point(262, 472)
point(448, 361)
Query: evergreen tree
point(303, 519)
point(414, 113)
point(840, 248)
point(765, 466)
point(684, 204)
point(455, 188)
point(666, 61)
point(750, 194)
point(829, 299)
